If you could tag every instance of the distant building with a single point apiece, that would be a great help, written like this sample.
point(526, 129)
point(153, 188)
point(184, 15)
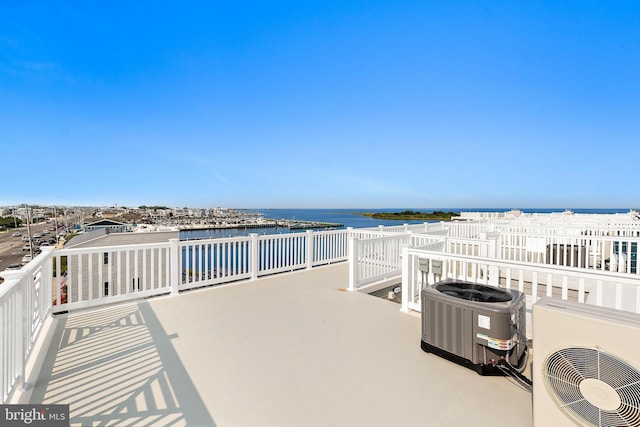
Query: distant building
point(106, 224)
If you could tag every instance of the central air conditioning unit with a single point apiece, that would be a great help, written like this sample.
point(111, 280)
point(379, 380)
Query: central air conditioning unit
point(477, 326)
point(585, 365)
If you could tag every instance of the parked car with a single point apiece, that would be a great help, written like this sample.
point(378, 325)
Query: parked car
point(25, 238)
point(26, 259)
point(26, 248)
point(16, 234)
point(14, 266)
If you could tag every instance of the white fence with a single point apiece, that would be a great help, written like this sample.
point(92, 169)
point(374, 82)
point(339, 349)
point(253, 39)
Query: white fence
point(215, 261)
point(616, 252)
point(96, 276)
point(25, 302)
point(376, 259)
point(623, 225)
point(616, 290)
point(605, 253)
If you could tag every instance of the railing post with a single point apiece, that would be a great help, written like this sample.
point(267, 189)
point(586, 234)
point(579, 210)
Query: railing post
point(494, 271)
point(310, 253)
point(22, 328)
point(46, 284)
point(406, 227)
point(353, 263)
point(175, 267)
point(405, 278)
point(254, 261)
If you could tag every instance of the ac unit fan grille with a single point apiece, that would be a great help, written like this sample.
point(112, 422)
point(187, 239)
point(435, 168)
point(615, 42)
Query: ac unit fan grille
point(592, 386)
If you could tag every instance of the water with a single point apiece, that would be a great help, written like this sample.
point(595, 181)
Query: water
point(347, 217)
point(351, 218)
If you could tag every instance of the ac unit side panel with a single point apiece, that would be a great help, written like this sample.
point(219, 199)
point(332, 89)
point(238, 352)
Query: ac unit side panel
point(561, 327)
point(446, 326)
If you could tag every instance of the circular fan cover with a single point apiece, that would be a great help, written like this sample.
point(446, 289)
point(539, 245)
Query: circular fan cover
point(593, 388)
point(474, 292)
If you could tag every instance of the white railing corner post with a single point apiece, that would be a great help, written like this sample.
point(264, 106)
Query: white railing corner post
point(352, 258)
point(406, 289)
point(406, 227)
point(175, 266)
point(254, 257)
point(310, 254)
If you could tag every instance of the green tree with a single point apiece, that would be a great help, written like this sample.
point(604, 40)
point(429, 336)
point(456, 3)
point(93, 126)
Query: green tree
point(9, 222)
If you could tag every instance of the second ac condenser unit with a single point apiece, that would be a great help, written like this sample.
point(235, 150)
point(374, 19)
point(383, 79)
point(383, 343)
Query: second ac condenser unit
point(585, 365)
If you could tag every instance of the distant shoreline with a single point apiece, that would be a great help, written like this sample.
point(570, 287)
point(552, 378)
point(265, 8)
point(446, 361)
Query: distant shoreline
point(412, 215)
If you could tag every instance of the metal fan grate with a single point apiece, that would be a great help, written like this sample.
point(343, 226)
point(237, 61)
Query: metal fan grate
point(593, 387)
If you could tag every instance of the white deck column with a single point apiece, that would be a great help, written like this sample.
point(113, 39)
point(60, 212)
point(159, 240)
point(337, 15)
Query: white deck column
point(352, 259)
point(254, 256)
point(174, 266)
point(406, 289)
point(309, 237)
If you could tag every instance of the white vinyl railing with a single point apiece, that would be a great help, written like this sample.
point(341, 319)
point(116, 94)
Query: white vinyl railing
point(616, 254)
point(616, 290)
point(96, 276)
point(623, 225)
point(377, 259)
point(25, 303)
point(328, 247)
point(215, 261)
point(425, 227)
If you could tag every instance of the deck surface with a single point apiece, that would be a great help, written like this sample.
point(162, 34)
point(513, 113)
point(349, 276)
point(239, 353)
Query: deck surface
point(292, 349)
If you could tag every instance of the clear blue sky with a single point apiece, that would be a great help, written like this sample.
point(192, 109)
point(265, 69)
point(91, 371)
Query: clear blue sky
point(515, 104)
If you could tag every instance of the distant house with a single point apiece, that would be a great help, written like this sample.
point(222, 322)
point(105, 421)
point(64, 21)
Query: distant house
point(106, 224)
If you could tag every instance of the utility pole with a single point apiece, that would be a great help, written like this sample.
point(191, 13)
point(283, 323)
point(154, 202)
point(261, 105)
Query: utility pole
point(55, 221)
point(29, 231)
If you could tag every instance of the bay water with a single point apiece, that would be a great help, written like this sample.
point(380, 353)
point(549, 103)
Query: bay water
point(350, 218)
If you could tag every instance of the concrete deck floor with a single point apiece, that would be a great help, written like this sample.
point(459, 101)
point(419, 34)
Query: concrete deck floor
point(292, 349)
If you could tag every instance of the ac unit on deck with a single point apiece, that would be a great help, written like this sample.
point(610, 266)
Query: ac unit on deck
point(585, 365)
point(474, 325)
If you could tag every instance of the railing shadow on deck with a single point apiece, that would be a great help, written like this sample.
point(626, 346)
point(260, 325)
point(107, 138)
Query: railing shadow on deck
point(118, 367)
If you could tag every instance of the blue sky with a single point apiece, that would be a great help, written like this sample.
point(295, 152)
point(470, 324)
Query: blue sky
point(321, 104)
